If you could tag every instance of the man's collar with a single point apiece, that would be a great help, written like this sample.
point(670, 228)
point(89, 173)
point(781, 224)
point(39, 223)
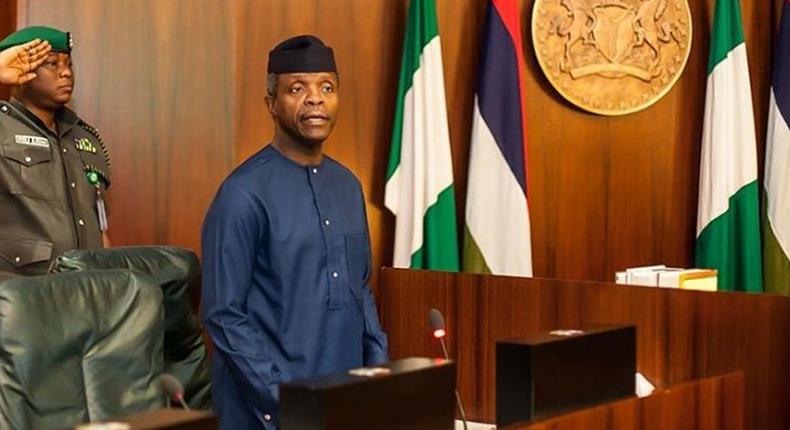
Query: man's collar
point(65, 118)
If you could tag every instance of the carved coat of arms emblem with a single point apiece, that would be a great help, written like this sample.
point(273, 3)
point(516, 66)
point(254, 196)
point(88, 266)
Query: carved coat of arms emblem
point(612, 57)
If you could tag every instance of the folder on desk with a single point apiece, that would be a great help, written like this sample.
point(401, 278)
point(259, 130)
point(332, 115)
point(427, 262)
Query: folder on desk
point(689, 279)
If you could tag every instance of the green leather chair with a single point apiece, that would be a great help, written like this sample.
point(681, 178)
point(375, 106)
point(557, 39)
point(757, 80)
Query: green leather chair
point(79, 347)
point(177, 272)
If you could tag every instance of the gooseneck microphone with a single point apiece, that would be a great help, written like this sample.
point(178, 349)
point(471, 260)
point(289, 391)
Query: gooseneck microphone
point(436, 322)
point(174, 389)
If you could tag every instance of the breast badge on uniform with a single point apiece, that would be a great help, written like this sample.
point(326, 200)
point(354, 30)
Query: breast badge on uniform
point(84, 144)
point(22, 139)
point(93, 175)
point(612, 57)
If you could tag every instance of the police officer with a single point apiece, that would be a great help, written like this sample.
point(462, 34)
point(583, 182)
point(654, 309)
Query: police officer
point(54, 169)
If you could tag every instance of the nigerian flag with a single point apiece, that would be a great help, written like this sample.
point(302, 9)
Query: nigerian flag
point(728, 230)
point(419, 188)
point(776, 215)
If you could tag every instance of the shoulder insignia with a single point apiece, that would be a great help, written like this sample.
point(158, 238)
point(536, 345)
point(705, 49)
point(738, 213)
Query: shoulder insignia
point(95, 132)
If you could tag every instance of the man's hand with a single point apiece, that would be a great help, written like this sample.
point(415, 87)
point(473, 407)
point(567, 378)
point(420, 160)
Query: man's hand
point(17, 64)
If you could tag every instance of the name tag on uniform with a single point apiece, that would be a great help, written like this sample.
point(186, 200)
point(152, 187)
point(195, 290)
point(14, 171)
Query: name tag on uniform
point(42, 142)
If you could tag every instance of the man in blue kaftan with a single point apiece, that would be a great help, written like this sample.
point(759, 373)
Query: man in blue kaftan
point(286, 252)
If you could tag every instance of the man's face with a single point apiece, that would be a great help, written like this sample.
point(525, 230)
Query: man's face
point(54, 83)
point(305, 104)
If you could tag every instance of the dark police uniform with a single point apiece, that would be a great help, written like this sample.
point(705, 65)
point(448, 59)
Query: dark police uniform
point(51, 188)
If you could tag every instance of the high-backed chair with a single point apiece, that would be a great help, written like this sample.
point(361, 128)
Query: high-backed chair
point(177, 272)
point(78, 347)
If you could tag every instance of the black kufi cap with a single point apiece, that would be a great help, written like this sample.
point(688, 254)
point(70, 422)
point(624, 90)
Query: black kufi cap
point(301, 54)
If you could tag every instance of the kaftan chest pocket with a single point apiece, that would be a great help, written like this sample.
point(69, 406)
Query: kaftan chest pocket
point(27, 170)
point(358, 261)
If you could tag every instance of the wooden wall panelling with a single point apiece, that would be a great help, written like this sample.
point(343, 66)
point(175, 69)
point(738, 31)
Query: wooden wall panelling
point(681, 335)
point(712, 334)
point(708, 404)
point(615, 192)
point(177, 88)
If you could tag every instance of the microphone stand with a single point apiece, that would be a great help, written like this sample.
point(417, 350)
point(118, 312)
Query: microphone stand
point(457, 396)
point(180, 398)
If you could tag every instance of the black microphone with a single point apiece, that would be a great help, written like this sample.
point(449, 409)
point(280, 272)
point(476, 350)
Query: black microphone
point(174, 389)
point(436, 321)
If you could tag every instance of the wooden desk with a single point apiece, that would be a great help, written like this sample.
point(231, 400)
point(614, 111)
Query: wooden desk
point(171, 419)
point(681, 335)
point(709, 404)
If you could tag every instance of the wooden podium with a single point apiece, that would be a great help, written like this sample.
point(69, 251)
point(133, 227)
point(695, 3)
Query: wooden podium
point(682, 335)
point(408, 394)
point(709, 404)
point(171, 419)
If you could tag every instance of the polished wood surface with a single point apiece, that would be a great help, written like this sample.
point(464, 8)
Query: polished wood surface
point(709, 404)
point(681, 335)
point(172, 419)
point(177, 89)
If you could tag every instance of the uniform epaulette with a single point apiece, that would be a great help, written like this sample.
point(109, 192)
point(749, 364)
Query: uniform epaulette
point(92, 130)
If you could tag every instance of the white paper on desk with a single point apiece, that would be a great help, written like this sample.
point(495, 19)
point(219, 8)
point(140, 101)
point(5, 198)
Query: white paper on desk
point(643, 387)
point(459, 425)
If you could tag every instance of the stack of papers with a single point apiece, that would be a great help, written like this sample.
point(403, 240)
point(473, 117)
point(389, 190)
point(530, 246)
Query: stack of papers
point(669, 277)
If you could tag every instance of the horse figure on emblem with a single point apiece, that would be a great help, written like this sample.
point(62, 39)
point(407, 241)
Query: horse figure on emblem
point(647, 27)
point(577, 30)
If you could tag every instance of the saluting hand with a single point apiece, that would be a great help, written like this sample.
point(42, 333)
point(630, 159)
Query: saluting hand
point(17, 64)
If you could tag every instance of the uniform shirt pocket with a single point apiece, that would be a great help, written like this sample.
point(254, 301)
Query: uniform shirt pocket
point(27, 170)
point(19, 252)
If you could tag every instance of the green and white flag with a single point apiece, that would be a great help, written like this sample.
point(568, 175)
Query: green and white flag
point(419, 188)
point(728, 229)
